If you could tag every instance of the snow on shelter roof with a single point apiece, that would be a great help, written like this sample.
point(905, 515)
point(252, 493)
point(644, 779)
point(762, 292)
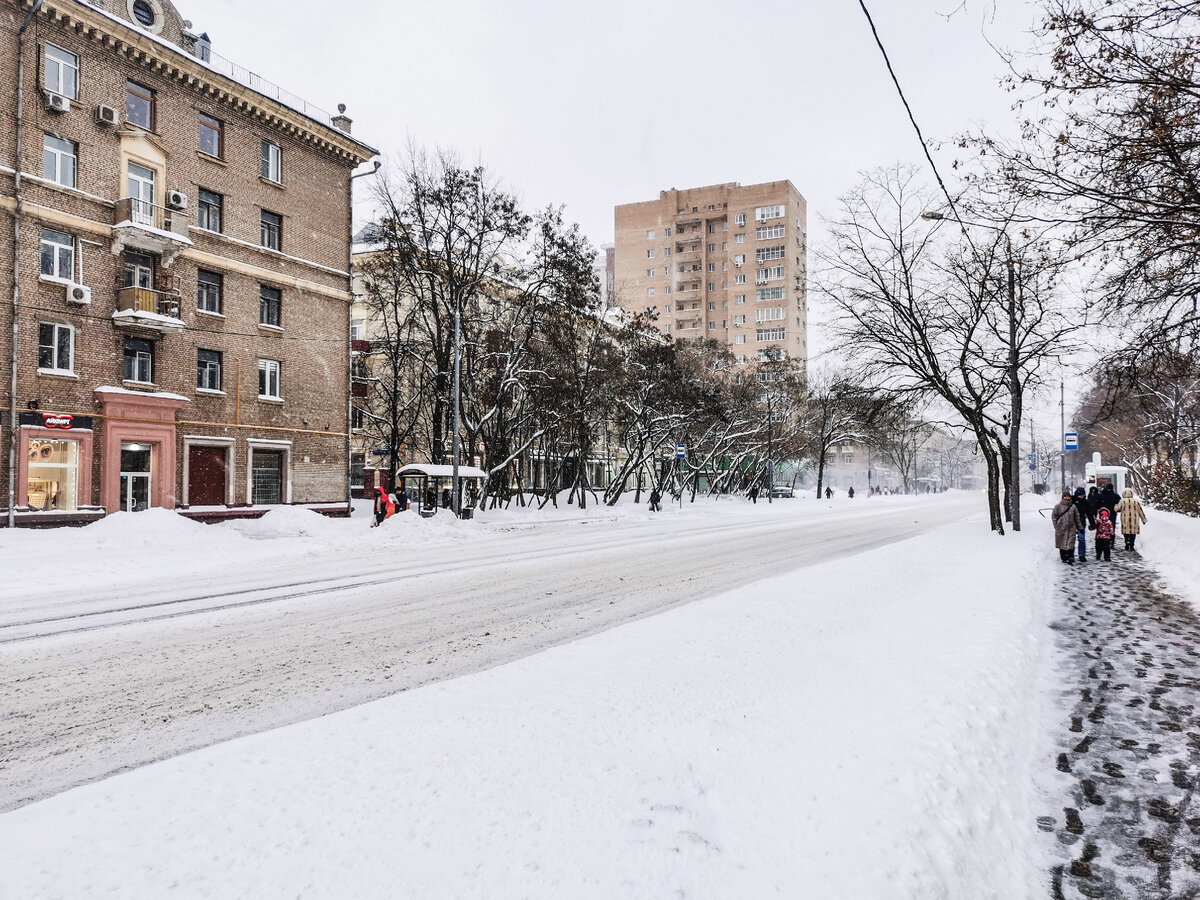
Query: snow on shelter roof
point(442, 471)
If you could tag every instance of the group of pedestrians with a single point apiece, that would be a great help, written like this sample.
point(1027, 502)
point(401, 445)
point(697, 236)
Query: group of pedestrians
point(1098, 511)
point(387, 504)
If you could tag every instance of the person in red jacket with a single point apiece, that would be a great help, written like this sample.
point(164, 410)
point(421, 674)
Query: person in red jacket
point(384, 507)
point(1105, 532)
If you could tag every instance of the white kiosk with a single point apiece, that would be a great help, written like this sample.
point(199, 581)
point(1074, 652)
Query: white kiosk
point(1100, 475)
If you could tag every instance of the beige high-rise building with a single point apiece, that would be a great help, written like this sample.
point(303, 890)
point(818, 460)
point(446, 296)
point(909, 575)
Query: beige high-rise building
point(723, 262)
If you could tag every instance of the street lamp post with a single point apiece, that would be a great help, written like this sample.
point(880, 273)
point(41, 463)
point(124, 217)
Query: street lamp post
point(1014, 374)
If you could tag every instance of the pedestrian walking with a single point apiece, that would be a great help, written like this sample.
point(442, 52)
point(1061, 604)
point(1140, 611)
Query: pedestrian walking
point(754, 492)
point(1132, 516)
point(655, 500)
point(850, 492)
point(1105, 498)
point(1085, 521)
point(383, 507)
point(402, 500)
point(1104, 535)
point(828, 492)
point(1067, 525)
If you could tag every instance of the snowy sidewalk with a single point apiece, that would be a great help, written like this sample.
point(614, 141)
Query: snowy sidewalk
point(1130, 827)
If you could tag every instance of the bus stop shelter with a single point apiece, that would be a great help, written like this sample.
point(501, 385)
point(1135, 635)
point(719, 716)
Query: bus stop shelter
point(431, 486)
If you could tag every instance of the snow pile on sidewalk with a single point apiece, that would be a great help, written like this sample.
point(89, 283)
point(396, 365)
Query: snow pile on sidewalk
point(863, 728)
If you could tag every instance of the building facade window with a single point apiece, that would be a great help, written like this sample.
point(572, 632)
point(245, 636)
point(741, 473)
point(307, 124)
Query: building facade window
point(770, 232)
point(358, 329)
point(771, 314)
point(62, 72)
point(271, 232)
point(649, 292)
point(139, 361)
point(272, 162)
point(649, 273)
point(649, 254)
point(762, 294)
point(770, 334)
point(139, 105)
point(56, 348)
point(771, 273)
point(649, 235)
point(739, 219)
point(210, 286)
point(208, 370)
point(212, 136)
point(143, 12)
point(268, 379)
point(269, 302)
point(209, 207)
point(739, 298)
point(739, 279)
point(53, 481)
point(57, 255)
point(60, 161)
point(765, 213)
point(739, 320)
point(762, 254)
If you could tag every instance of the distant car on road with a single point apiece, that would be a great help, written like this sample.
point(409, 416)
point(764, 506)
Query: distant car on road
point(779, 492)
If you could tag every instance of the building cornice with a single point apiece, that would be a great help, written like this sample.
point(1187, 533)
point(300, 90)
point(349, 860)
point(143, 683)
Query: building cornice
point(172, 63)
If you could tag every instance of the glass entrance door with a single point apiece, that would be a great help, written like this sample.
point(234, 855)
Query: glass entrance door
point(135, 477)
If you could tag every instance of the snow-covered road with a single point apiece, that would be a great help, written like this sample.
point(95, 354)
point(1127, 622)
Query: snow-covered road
point(149, 662)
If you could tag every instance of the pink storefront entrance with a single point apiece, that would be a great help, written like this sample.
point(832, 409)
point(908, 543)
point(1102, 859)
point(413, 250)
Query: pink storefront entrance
point(144, 421)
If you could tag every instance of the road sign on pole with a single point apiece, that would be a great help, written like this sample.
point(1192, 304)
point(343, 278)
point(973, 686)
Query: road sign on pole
point(680, 451)
point(1071, 440)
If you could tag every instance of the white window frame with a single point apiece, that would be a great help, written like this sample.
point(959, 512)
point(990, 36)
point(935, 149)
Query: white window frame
point(358, 329)
point(208, 370)
point(649, 235)
point(740, 219)
point(740, 239)
point(739, 320)
point(258, 444)
point(770, 314)
point(771, 273)
point(270, 367)
point(649, 254)
point(271, 159)
point(769, 232)
point(766, 295)
point(55, 68)
point(739, 279)
point(763, 254)
point(739, 339)
point(770, 334)
point(649, 292)
point(57, 157)
point(58, 368)
point(766, 213)
point(64, 256)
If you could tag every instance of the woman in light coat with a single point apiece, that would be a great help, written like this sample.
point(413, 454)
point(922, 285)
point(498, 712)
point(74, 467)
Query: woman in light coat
point(1132, 517)
point(1067, 524)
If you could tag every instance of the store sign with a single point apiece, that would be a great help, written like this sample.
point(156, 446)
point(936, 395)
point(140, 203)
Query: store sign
point(57, 421)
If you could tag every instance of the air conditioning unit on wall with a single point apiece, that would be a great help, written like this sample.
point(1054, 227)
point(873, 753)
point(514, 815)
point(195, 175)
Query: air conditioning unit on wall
point(79, 293)
point(177, 200)
point(57, 103)
point(106, 115)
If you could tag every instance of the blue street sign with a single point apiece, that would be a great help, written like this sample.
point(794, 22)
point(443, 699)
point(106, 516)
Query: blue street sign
point(1033, 457)
point(680, 451)
point(1032, 467)
point(1071, 440)
point(381, 452)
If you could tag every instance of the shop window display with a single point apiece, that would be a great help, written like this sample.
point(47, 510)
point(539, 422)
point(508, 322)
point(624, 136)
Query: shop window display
point(53, 474)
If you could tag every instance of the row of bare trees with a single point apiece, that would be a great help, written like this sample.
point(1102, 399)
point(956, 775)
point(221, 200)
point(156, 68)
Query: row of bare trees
point(548, 374)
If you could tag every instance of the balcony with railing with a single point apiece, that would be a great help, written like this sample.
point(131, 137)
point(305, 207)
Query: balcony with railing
point(144, 309)
point(145, 226)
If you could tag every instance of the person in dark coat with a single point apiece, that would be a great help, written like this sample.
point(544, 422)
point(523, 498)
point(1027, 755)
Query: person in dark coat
point(1106, 498)
point(402, 500)
point(655, 500)
point(850, 492)
point(828, 492)
point(754, 492)
point(1067, 525)
point(1085, 521)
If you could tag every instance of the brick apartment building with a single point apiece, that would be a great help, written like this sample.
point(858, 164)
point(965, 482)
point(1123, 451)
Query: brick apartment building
point(724, 262)
point(179, 268)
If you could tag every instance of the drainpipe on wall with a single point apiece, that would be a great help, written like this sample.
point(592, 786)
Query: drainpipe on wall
point(14, 429)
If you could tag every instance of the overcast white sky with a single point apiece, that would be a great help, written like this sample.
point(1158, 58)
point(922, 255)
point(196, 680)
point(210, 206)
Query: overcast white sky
point(592, 105)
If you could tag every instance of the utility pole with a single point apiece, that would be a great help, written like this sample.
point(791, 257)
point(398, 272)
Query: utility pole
point(1062, 431)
